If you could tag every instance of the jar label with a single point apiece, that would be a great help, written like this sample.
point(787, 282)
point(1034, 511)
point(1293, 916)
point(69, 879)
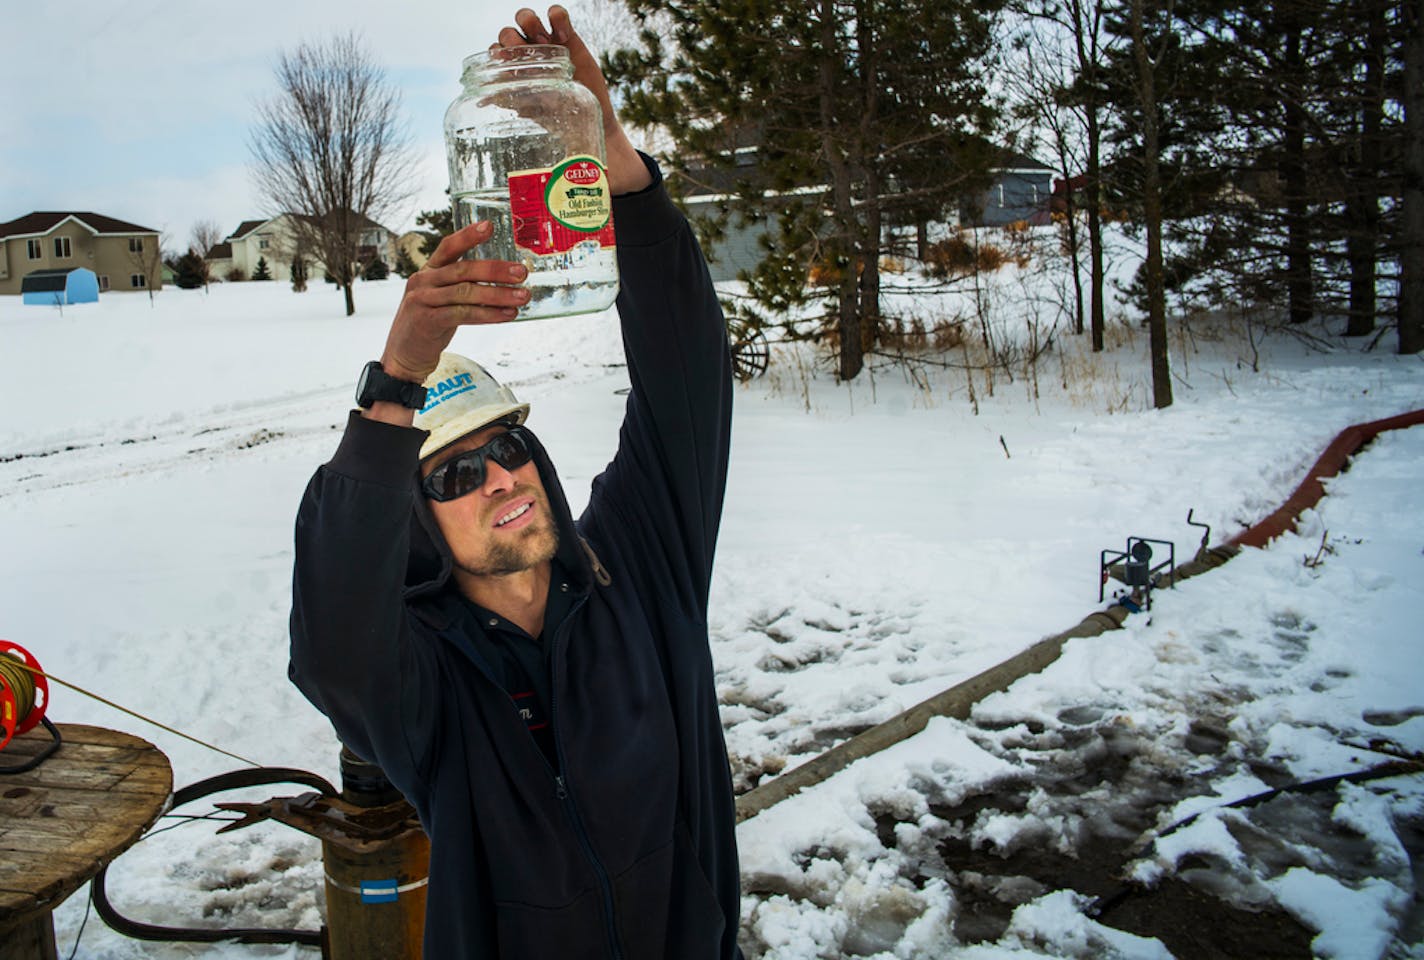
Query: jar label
point(557, 209)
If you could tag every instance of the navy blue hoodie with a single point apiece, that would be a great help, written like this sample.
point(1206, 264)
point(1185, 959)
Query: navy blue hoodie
point(626, 847)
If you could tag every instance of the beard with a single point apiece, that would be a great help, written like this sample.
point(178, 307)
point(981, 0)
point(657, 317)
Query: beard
point(502, 555)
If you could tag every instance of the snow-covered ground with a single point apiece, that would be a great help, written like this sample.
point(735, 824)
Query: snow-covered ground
point(882, 540)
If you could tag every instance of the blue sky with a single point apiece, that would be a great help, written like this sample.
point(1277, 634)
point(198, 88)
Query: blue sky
point(140, 109)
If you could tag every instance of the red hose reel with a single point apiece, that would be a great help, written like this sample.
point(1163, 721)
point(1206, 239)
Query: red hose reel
point(23, 694)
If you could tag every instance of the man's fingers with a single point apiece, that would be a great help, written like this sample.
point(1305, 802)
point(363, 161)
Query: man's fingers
point(469, 314)
point(532, 27)
point(562, 29)
point(473, 271)
point(457, 244)
point(511, 37)
point(475, 295)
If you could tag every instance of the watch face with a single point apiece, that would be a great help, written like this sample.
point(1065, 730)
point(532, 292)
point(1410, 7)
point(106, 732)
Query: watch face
point(361, 384)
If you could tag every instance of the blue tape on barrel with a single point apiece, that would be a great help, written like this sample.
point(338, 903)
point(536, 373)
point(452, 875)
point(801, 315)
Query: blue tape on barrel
point(379, 891)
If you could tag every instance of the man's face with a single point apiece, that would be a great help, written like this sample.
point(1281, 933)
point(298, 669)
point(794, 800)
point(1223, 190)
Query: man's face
point(502, 527)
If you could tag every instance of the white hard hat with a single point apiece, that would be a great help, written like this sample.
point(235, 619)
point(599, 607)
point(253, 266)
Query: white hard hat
point(461, 397)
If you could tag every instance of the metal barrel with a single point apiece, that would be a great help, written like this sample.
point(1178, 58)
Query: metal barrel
point(375, 885)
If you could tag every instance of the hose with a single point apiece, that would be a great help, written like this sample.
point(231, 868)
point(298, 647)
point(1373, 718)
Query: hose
point(234, 780)
point(1391, 768)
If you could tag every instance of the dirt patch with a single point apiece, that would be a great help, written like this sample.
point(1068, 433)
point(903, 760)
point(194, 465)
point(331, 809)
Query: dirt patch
point(990, 882)
point(1194, 924)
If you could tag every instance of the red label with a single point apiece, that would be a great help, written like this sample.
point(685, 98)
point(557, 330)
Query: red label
point(542, 231)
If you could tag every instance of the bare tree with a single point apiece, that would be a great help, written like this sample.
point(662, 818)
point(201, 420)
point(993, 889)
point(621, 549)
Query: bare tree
point(206, 235)
point(1070, 101)
point(146, 262)
point(1037, 81)
point(330, 149)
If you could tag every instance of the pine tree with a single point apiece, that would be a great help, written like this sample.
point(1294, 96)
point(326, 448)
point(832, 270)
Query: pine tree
point(262, 273)
point(1411, 281)
point(405, 265)
point(189, 271)
point(880, 105)
point(1274, 138)
point(441, 223)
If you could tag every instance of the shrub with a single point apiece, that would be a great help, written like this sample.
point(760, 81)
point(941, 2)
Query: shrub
point(828, 274)
point(954, 257)
point(188, 271)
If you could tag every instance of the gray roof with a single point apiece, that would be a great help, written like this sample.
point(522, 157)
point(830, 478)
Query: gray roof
point(46, 281)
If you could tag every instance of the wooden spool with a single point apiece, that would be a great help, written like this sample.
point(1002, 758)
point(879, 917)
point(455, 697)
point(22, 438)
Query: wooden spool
point(66, 819)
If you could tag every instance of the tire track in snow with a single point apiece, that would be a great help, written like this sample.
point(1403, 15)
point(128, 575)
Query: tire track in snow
point(169, 443)
point(228, 431)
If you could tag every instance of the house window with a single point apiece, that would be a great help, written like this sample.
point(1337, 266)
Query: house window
point(137, 281)
point(34, 249)
point(261, 243)
point(61, 248)
point(103, 283)
point(135, 244)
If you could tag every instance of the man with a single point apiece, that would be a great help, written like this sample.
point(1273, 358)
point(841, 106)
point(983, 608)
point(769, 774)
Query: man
point(539, 687)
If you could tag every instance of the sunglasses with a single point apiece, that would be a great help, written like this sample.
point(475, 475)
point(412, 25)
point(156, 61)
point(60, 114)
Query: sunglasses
point(465, 472)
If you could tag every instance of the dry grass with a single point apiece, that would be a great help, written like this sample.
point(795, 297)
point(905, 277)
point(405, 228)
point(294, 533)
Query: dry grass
point(913, 335)
point(963, 254)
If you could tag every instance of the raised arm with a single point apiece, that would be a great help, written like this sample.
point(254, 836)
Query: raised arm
point(669, 475)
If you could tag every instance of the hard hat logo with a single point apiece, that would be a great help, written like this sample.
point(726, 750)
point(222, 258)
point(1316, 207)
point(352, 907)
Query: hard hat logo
point(448, 390)
point(462, 397)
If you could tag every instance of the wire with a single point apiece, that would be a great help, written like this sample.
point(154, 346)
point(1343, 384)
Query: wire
point(13, 675)
point(133, 713)
point(88, 905)
point(185, 820)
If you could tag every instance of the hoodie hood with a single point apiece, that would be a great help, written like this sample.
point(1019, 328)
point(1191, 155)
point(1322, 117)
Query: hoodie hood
point(430, 564)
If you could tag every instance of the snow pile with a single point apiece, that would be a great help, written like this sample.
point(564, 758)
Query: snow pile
point(883, 540)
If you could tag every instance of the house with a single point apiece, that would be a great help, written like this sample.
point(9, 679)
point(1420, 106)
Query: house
point(275, 240)
point(123, 256)
point(219, 260)
point(60, 287)
point(1020, 192)
point(412, 242)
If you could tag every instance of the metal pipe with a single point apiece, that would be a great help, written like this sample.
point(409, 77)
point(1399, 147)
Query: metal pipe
point(959, 699)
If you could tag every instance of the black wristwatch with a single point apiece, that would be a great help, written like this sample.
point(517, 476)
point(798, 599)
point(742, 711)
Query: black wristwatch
point(375, 384)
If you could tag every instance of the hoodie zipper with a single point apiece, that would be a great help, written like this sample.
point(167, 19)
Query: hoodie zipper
point(564, 795)
point(562, 791)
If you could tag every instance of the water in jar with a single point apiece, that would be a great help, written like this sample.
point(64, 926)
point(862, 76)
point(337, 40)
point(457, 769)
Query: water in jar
point(519, 127)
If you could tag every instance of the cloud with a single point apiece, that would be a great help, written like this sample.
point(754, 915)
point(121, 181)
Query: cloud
point(142, 111)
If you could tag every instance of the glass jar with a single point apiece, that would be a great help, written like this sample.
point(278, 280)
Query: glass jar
point(525, 146)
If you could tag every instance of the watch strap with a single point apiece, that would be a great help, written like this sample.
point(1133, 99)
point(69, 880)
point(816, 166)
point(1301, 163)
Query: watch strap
point(377, 385)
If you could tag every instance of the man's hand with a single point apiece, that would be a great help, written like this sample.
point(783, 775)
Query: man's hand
point(442, 296)
point(626, 172)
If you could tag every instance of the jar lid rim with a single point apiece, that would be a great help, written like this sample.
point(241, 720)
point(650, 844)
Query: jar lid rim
point(525, 55)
